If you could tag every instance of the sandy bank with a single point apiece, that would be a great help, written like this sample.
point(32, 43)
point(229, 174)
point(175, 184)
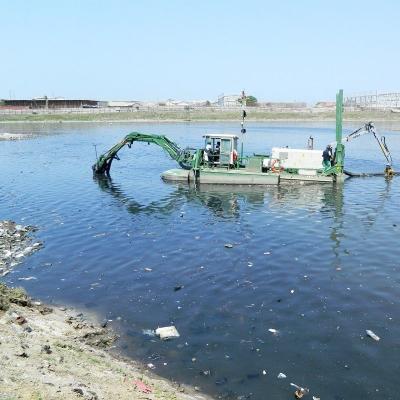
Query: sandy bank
point(54, 353)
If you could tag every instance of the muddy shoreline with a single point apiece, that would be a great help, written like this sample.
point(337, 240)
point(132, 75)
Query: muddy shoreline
point(60, 353)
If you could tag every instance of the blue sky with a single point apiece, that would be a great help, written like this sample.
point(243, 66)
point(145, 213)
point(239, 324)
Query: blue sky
point(120, 49)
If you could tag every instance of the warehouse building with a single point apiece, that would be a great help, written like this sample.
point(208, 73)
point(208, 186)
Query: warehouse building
point(49, 103)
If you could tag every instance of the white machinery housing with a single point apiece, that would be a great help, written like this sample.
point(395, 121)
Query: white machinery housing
point(306, 161)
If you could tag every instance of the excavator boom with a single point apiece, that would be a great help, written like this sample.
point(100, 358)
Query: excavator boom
point(370, 128)
point(183, 157)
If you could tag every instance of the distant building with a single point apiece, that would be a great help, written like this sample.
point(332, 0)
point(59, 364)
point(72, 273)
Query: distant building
point(44, 102)
point(176, 103)
point(325, 104)
point(183, 103)
point(228, 100)
point(124, 104)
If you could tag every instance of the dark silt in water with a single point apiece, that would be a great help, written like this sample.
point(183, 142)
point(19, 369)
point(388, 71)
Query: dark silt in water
point(319, 263)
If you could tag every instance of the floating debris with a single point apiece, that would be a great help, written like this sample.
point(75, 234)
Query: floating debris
point(149, 332)
point(167, 332)
point(372, 335)
point(281, 375)
point(99, 235)
point(300, 392)
point(148, 269)
point(221, 381)
point(273, 331)
point(228, 245)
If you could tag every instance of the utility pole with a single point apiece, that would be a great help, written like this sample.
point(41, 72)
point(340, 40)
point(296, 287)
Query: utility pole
point(244, 115)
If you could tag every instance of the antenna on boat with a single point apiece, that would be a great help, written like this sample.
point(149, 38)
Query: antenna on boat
point(95, 150)
point(244, 115)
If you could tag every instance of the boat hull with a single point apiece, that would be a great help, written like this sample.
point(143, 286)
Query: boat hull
point(240, 177)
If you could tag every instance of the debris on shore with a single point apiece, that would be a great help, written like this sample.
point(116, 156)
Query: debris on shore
point(58, 353)
point(16, 243)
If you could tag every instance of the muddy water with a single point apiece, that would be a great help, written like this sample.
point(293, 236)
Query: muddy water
point(320, 264)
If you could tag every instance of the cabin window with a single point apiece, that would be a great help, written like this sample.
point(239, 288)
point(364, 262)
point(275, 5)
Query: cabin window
point(225, 154)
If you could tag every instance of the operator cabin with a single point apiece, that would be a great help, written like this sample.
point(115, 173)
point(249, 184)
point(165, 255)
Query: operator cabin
point(220, 150)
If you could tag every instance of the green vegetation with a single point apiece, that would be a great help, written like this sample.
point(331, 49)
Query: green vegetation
point(250, 101)
point(10, 295)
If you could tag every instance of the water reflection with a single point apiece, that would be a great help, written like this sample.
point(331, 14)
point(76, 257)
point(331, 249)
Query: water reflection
point(227, 201)
point(164, 206)
point(378, 203)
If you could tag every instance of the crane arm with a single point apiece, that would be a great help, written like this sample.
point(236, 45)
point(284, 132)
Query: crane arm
point(183, 157)
point(366, 128)
point(370, 128)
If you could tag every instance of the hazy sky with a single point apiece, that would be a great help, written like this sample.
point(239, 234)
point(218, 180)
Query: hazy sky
point(121, 49)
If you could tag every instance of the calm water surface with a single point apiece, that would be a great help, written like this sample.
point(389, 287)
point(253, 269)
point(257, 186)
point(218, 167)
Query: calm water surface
point(319, 263)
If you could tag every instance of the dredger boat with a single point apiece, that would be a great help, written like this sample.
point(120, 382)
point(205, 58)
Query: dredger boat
point(219, 161)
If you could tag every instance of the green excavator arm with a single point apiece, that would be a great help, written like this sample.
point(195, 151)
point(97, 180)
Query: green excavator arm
point(184, 158)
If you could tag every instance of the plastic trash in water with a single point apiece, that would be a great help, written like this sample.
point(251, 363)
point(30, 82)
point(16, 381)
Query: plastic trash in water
point(281, 375)
point(149, 332)
point(300, 392)
point(167, 332)
point(372, 335)
point(273, 331)
point(228, 245)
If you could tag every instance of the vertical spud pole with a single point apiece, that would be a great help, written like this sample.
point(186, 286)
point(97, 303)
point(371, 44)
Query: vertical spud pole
point(339, 159)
